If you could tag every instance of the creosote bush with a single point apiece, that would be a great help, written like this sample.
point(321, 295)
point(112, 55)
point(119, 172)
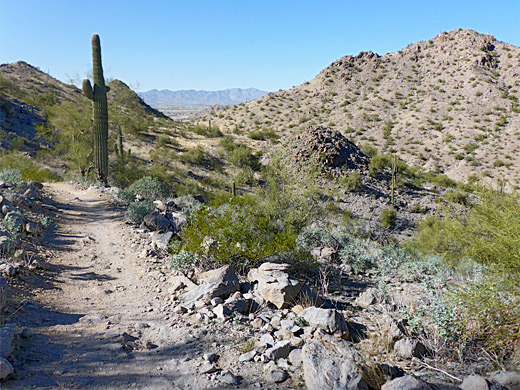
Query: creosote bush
point(388, 217)
point(138, 210)
point(488, 233)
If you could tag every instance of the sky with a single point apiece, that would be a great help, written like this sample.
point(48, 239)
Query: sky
point(219, 44)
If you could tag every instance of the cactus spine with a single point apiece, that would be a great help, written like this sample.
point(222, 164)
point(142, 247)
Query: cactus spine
point(98, 95)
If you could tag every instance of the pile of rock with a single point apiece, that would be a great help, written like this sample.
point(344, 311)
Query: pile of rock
point(327, 147)
point(292, 333)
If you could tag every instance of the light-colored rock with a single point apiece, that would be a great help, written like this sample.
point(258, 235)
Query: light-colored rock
point(408, 347)
point(257, 323)
point(332, 363)
point(477, 382)
point(274, 374)
point(222, 312)
point(248, 356)
point(510, 379)
point(275, 285)
point(178, 221)
point(220, 282)
point(6, 368)
point(367, 298)
point(267, 339)
point(330, 320)
point(295, 357)
point(296, 342)
point(237, 303)
point(207, 368)
point(228, 378)
point(411, 382)
point(161, 240)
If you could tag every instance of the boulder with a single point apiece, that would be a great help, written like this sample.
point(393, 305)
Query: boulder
point(332, 363)
point(161, 240)
point(178, 221)
point(220, 282)
point(279, 350)
point(411, 382)
point(408, 348)
point(236, 303)
point(156, 222)
point(275, 285)
point(6, 368)
point(476, 382)
point(32, 228)
point(510, 379)
point(31, 194)
point(330, 320)
point(6, 341)
point(274, 374)
point(367, 298)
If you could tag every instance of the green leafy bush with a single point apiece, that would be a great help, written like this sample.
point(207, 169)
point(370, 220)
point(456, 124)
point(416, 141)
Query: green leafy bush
point(13, 177)
point(388, 217)
point(194, 156)
point(236, 233)
point(488, 233)
point(138, 210)
point(184, 261)
point(149, 188)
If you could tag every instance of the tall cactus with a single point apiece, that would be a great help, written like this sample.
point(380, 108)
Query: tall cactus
point(98, 95)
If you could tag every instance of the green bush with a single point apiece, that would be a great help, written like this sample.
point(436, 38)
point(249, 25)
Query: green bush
point(138, 210)
point(263, 134)
point(184, 261)
point(235, 233)
point(388, 217)
point(488, 234)
point(353, 181)
point(149, 188)
point(194, 156)
point(13, 177)
point(457, 196)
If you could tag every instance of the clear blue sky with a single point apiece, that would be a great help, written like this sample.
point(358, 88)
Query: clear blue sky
point(218, 44)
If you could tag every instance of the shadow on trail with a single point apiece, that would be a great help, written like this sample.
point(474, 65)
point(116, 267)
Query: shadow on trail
point(91, 276)
point(104, 360)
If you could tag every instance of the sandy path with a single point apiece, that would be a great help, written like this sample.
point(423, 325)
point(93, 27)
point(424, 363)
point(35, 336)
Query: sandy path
point(100, 326)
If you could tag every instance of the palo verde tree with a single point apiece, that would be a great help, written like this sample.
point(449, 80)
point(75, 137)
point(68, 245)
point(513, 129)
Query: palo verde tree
point(98, 95)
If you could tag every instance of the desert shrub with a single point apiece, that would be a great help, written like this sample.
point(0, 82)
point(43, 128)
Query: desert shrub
point(45, 222)
point(13, 177)
point(194, 156)
point(236, 233)
point(210, 132)
point(388, 217)
point(239, 155)
point(263, 134)
point(183, 261)
point(457, 196)
point(312, 237)
point(28, 170)
point(149, 188)
point(187, 204)
point(138, 210)
point(488, 234)
point(352, 182)
point(360, 254)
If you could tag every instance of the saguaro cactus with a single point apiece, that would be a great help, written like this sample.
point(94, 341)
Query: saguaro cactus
point(98, 95)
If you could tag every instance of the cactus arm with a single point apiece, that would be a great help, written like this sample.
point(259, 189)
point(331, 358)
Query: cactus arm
point(87, 89)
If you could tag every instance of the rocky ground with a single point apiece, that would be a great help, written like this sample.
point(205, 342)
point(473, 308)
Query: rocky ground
point(104, 311)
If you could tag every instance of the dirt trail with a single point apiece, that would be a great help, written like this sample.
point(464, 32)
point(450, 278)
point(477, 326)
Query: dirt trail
point(98, 324)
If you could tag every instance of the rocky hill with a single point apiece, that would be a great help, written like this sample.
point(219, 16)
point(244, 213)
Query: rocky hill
point(447, 105)
point(231, 96)
point(26, 93)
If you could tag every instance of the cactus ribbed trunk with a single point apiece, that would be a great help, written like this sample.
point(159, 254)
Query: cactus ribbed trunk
point(98, 94)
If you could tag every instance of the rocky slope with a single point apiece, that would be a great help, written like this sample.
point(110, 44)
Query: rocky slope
point(449, 104)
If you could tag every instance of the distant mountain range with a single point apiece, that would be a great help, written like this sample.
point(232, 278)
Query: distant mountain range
point(231, 96)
